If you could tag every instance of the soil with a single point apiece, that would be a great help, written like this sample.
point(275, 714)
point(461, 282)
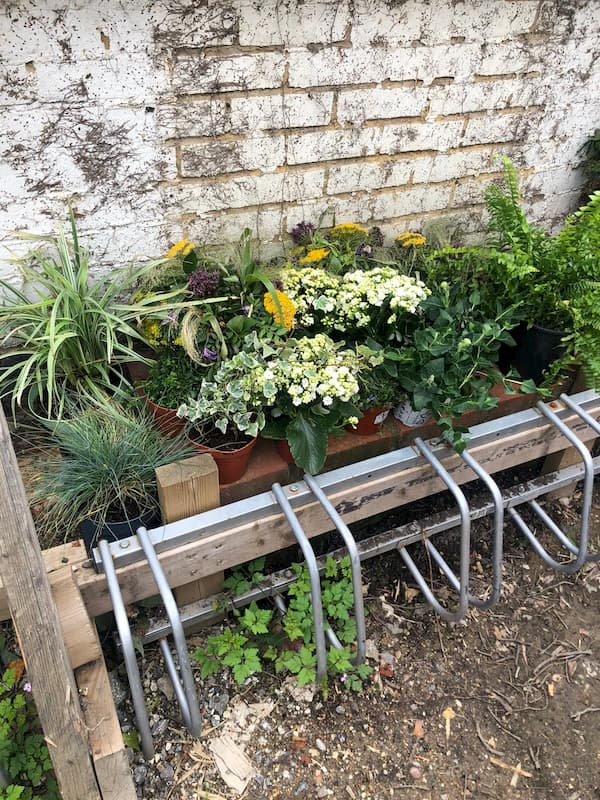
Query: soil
point(521, 680)
point(216, 440)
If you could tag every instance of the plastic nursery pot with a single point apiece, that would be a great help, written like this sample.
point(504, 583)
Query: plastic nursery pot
point(92, 532)
point(536, 350)
point(232, 459)
point(405, 413)
point(370, 422)
point(165, 419)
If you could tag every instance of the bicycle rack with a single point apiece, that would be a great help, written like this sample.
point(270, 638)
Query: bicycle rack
point(396, 539)
point(186, 693)
point(581, 552)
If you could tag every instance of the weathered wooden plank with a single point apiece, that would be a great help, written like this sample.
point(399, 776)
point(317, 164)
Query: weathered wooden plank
point(79, 632)
point(106, 742)
point(36, 620)
point(242, 543)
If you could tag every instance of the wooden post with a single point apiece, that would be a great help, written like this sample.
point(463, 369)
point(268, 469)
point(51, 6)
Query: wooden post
point(38, 627)
point(184, 489)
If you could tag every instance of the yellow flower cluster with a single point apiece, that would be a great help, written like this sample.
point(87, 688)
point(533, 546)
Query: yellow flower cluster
point(181, 249)
point(284, 315)
point(349, 229)
point(411, 239)
point(151, 330)
point(314, 256)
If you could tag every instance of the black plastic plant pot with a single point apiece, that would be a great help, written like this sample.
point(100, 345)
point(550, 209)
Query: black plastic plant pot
point(91, 532)
point(536, 350)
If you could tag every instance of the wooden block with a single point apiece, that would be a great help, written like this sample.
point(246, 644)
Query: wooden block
point(79, 632)
point(184, 489)
point(104, 732)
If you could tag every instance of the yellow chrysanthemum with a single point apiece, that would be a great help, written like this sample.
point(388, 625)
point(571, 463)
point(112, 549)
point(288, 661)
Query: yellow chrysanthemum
point(182, 248)
point(152, 330)
point(313, 256)
point(285, 316)
point(411, 239)
point(349, 229)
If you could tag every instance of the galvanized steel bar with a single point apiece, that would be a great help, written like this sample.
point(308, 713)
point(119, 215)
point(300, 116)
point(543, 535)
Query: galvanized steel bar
point(187, 698)
point(350, 542)
point(465, 543)
point(131, 665)
point(313, 571)
point(581, 554)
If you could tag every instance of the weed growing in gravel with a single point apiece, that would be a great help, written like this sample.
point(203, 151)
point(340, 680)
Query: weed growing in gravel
point(288, 642)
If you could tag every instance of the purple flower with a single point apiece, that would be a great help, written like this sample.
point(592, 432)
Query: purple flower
point(204, 282)
point(171, 319)
point(27, 687)
point(246, 310)
point(302, 232)
point(209, 355)
point(364, 250)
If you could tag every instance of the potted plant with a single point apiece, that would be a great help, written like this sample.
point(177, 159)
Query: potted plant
point(378, 388)
point(449, 368)
point(227, 412)
point(172, 378)
point(312, 387)
point(71, 335)
point(103, 478)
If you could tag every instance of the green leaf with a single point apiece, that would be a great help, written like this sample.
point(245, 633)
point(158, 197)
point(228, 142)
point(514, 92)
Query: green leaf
point(307, 439)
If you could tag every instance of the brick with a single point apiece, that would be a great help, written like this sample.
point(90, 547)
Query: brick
point(413, 200)
point(243, 191)
point(470, 192)
point(517, 127)
point(192, 24)
point(267, 224)
point(219, 157)
point(409, 137)
point(366, 175)
point(362, 104)
point(293, 24)
point(447, 166)
point(205, 73)
point(305, 148)
point(467, 97)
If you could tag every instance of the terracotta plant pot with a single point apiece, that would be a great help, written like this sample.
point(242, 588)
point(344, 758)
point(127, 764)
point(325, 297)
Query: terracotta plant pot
point(370, 422)
point(166, 419)
point(92, 532)
point(283, 448)
point(232, 464)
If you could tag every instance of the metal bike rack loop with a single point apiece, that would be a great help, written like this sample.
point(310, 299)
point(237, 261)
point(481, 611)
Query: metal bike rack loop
point(186, 694)
point(580, 552)
point(497, 540)
point(465, 544)
point(131, 665)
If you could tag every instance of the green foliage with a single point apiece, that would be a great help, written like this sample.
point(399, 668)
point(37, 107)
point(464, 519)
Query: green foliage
point(290, 645)
point(24, 754)
point(243, 578)
point(71, 335)
point(173, 378)
point(450, 366)
point(106, 467)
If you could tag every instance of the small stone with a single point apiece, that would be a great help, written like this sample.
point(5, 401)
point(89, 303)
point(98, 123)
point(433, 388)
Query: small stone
point(302, 787)
point(323, 792)
point(286, 775)
point(166, 687)
point(218, 703)
point(139, 774)
point(167, 773)
point(321, 745)
point(340, 710)
point(153, 687)
point(119, 692)
point(416, 773)
point(160, 727)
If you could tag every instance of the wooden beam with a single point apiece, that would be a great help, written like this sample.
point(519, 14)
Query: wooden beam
point(245, 542)
point(106, 741)
point(187, 488)
point(38, 627)
point(79, 632)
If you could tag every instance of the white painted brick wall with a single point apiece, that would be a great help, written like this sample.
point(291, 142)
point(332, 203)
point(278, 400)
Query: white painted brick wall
point(176, 117)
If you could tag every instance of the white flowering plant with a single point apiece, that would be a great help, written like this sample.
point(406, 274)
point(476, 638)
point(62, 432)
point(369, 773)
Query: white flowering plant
point(361, 302)
point(313, 387)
